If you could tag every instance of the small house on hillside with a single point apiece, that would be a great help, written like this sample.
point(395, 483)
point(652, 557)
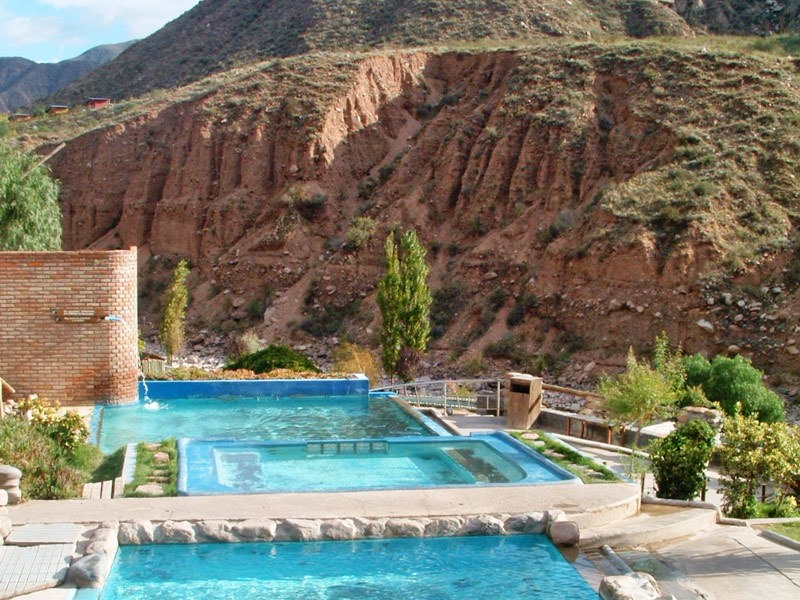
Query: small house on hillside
point(19, 117)
point(57, 109)
point(93, 103)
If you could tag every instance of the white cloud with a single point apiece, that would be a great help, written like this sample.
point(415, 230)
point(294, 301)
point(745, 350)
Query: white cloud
point(22, 31)
point(140, 17)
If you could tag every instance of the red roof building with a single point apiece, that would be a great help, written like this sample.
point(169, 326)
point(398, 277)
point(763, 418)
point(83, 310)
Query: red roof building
point(93, 103)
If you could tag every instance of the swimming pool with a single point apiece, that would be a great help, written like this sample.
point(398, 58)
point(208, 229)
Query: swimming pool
point(252, 412)
point(234, 467)
point(475, 568)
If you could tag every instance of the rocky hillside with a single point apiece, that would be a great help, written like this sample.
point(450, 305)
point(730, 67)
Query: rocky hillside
point(218, 34)
point(576, 198)
point(22, 81)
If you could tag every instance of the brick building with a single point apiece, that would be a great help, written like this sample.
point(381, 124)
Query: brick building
point(68, 325)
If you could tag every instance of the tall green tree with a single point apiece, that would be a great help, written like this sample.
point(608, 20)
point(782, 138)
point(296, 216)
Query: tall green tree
point(390, 302)
point(171, 331)
point(404, 300)
point(30, 218)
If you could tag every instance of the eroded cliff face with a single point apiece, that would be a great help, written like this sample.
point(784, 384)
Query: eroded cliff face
point(517, 169)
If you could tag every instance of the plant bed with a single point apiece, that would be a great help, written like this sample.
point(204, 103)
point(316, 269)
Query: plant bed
point(156, 471)
point(588, 470)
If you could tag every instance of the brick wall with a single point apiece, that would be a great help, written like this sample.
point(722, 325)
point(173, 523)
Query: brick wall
point(79, 358)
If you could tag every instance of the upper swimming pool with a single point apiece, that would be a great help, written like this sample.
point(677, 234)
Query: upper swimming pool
point(258, 410)
point(476, 568)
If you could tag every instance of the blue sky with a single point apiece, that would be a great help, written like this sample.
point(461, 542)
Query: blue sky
point(52, 30)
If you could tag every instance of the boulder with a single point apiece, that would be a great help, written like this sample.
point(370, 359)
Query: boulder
point(90, 571)
point(214, 531)
point(634, 586)
point(404, 528)
point(136, 532)
point(370, 528)
point(175, 532)
point(705, 325)
point(3, 497)
point(104, 539)
point(483, 525)
point(14, 495)
point(297, 530)
point(530, 523)
point(5, 527)
point(565, 533)
point(9, 473)
point(339, 529)
point(262, 530)
point(443, 526)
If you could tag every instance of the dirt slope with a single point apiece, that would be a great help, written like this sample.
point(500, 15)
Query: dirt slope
point(608, 191)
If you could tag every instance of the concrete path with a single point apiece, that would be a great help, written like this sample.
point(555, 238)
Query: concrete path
point(590, 505)
point(736, 563)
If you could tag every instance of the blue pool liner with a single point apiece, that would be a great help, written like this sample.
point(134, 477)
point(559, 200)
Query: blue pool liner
point(358, 385)
point(511, 449)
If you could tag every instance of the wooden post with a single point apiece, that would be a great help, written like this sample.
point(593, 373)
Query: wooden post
point(3, 387)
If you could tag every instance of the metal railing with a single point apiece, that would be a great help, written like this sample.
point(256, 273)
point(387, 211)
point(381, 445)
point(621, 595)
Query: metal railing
point(485, 394)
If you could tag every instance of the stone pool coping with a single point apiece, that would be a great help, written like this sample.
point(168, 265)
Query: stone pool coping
point(588, 505)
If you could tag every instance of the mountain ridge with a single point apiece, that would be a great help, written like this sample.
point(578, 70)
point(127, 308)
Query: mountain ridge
point(23, 81)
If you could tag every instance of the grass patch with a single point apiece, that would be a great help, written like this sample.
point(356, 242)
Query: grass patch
point(790, 530)
point(109, 467)
point(577, 464)
point(148, 470)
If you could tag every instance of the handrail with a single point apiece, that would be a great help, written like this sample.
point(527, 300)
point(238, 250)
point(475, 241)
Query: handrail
point(4, 385)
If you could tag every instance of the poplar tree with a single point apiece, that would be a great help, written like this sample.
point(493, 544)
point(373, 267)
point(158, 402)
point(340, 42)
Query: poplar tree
point(389, 302)
point(30, 218)
point(171, 330)
point(404, 300)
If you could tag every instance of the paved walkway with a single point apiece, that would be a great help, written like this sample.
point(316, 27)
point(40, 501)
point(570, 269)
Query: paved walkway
point(589, 504)
point(736, 563)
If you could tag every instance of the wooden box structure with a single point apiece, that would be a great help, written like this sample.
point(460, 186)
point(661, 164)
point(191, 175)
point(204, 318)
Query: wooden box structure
point(524, 400)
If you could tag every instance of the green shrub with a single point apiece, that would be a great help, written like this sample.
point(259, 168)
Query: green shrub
point(517, 314)
point(735, 382)
point(509, 348)
point(273, 357)
point(359, 232)
point(447, 301)
point(47, 472)
point(697, 369)
point(679, 460)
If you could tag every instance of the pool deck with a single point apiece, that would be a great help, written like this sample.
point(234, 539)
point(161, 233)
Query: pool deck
point(589, 505)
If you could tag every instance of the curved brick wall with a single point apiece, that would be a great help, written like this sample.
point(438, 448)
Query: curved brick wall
point(79, 358)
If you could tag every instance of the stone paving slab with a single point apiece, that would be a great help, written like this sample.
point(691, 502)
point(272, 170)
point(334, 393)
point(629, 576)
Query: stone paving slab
point(25, 569)
point(590, 505)
point(34, 534)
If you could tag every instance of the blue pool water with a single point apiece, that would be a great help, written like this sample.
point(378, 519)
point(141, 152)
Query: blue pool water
point(477, 568)
point(232, 467)
point(254, 418)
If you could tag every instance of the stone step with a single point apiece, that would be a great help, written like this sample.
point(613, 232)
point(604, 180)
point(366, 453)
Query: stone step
point(655, 524)
point(34, 534)
point(103, 490)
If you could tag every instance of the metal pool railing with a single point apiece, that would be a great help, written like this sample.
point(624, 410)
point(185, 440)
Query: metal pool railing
point(483, 394)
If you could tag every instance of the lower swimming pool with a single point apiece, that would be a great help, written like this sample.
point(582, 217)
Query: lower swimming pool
point(476, 568)
point(233, 467)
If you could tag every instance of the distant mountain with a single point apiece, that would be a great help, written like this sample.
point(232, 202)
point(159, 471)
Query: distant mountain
point(23, 81)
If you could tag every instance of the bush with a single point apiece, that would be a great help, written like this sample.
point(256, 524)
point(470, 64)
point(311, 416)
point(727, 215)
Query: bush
point(697, 369)
point(680, 459)
point(47, 473)
point(517, 314)
point(508, 347)
point(736, 384)
point(67, 430)
point(350, 358)
point(273, 357)
point(359, 232)
point(447, 301)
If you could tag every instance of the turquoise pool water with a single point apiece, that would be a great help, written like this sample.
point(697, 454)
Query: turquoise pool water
point(476, 568)
point(232, 467)
point(254, 418)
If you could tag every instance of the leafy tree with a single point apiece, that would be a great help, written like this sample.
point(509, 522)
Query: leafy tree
point(753, 452)
point(171, 331)
point(350, 358)
point(404, 300)
point(637, 396)
point(390, 302)
point(736, 382)
point(679, 460)
point(30, 218)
